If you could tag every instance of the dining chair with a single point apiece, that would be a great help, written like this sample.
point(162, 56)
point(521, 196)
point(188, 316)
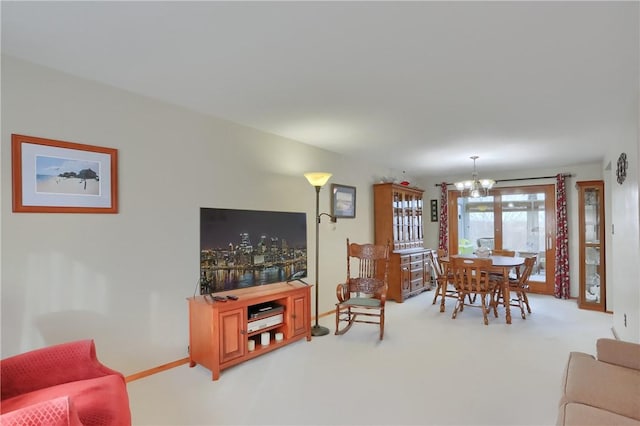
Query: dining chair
point(519, 287)
point(507, 253)
point(364, 292)
point(471, 277)
point(440, 272)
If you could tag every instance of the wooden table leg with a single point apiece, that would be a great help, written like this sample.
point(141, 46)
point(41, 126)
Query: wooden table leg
point(443, 292)
point(506, 297)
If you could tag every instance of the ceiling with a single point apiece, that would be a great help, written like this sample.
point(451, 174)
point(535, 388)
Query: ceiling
point(414, 86)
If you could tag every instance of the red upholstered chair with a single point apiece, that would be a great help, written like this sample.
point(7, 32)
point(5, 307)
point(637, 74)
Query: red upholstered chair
point(62, 384)
point(53, 412)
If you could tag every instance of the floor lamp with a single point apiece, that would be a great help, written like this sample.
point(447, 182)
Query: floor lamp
point(318, 179)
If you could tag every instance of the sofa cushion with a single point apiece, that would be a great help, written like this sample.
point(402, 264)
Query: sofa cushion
point(601, 385)
point(98, 401)
point(572, 413)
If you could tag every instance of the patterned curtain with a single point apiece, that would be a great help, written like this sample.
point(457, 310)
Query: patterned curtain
point(562, 284)
point(443, 234)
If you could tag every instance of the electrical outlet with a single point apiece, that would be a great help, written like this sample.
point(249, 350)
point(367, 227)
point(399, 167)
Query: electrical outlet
point(625, 319)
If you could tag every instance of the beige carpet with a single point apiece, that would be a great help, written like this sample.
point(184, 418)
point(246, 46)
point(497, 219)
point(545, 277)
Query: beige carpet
point(429, 370)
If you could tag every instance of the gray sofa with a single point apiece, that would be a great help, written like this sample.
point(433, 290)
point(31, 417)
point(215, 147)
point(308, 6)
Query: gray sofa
point(603, 390)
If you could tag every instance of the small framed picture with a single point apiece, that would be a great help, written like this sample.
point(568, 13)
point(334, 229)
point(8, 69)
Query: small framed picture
point(51, 176)
point(343, 201)
point(434, 210)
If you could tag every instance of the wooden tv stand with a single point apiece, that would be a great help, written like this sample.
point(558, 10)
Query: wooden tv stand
point(218, 331)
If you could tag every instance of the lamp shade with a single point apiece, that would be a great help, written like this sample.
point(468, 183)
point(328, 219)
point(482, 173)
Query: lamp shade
point(317, 178)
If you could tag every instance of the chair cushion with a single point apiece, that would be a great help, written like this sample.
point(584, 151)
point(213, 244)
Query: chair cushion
point(366, 302)
point(99, 401)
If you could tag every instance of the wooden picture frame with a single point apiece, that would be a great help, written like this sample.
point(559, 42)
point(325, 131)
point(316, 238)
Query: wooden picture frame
point(51, 176)
point(343, 201)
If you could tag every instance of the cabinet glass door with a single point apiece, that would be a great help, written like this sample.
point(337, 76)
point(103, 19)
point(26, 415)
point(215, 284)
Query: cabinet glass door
point(592, 290)
point(397, 215)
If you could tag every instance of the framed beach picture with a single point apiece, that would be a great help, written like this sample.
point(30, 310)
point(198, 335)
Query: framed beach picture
point(343, 201)
point(51, 176)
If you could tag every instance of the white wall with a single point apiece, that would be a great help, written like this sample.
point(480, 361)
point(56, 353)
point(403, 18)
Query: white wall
point(122, 279)
point(625, 235)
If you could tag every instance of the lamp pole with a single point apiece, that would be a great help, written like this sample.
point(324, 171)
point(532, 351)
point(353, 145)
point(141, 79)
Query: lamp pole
point(317, 329)
point(317, 180)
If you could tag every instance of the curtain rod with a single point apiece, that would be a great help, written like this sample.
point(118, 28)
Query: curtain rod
point(517, 179)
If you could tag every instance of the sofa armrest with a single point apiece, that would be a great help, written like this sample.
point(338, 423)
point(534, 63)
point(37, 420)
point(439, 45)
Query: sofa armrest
point(50, 366)
point(54, 412)
point(617, 352)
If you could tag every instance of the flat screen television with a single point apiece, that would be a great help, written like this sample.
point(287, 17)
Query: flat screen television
point(246, 248)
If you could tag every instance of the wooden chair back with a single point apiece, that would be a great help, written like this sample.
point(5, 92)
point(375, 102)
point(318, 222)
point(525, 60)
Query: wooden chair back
point(470, 275)
point(525, 272)
point(436, 266)
point(520, 286)
point(507, 253)
point(442, 279)
point(367, 268)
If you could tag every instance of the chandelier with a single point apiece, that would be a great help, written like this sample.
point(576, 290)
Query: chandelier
point(476, 187)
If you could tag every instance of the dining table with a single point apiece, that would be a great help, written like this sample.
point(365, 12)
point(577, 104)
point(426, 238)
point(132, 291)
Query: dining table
point(500, 265)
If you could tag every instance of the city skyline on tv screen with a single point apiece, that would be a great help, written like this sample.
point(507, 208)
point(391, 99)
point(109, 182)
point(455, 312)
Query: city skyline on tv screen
point(244, 248)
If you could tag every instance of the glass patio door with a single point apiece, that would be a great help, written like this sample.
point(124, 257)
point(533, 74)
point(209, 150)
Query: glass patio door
point(521, 219)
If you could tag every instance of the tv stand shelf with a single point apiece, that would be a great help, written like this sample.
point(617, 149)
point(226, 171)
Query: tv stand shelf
point(218, 331)
point(262, 330)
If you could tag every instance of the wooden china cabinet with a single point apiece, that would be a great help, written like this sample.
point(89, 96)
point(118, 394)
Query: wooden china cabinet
point(591, 238)
point(398, 214)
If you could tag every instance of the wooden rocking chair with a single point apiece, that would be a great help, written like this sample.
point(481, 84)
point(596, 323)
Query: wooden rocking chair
point(364, 294)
